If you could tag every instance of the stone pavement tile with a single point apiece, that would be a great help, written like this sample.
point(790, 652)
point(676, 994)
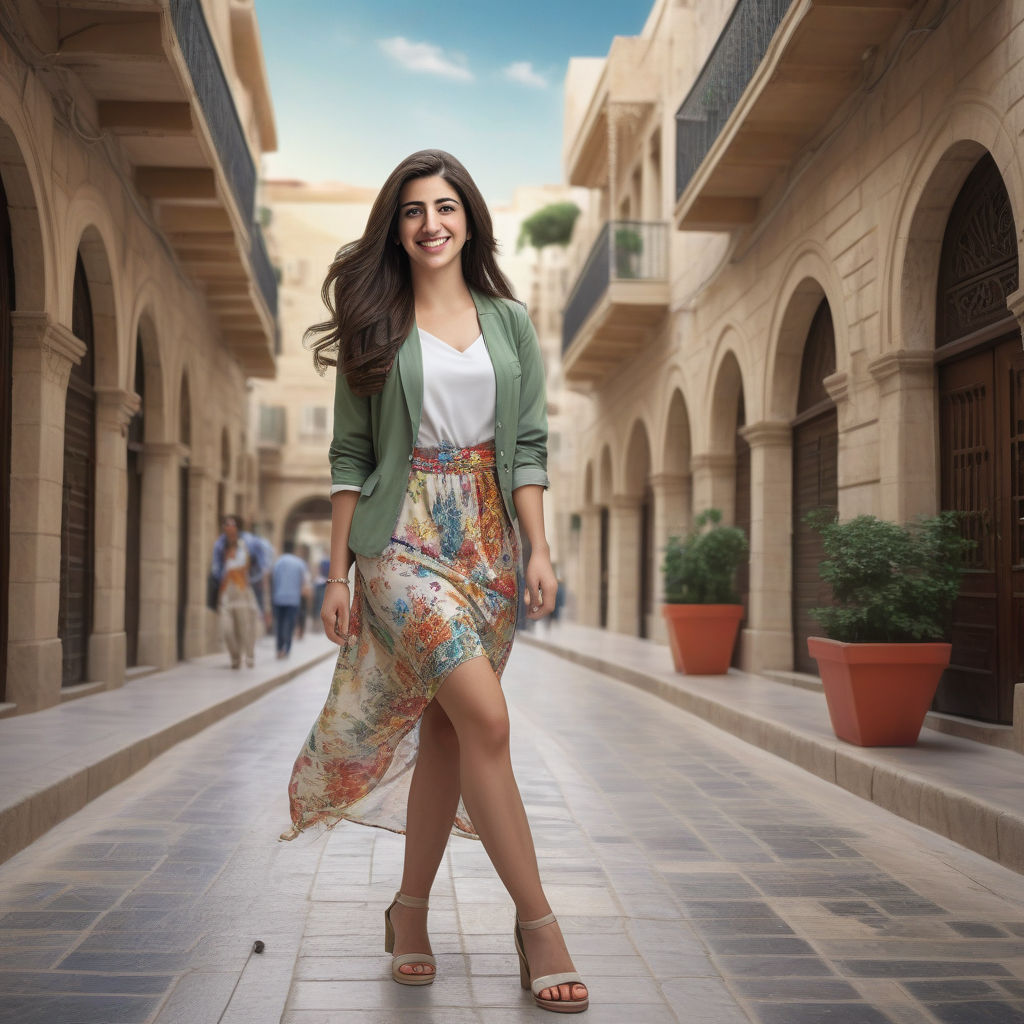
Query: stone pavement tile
point(817, 1013)
point(703, 1001)
point(65, 981)
point(981, 1012)
point(78, 1009)
point(382, 993)
point(444, 1015)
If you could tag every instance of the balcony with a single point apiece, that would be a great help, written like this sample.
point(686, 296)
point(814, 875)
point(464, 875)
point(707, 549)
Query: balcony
point(628, 85)
point(620, 295)
point(776, 76)
point(160, 90)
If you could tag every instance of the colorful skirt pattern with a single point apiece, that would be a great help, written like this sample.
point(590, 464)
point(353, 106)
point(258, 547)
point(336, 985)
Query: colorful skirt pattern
point(443, 591)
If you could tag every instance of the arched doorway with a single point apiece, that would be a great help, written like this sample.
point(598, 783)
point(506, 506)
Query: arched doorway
point(981, 445)
point(6, 380)
point(133, 516)
point(185, 438)
point(741, 516)
point(815, 478)
point(74, 623)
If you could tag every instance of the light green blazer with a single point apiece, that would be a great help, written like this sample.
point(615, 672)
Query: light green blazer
point(374, 435)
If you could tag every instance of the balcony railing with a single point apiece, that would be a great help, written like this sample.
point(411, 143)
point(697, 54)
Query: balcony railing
point(218, 104)
point(625, 250)
point(266, 275)
point(740, 49)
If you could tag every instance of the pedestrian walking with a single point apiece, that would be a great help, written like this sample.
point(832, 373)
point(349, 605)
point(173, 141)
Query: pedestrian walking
point(290, 577)
point(305, 597)
point(440, 444)
point(237, 568)
point(323, 570)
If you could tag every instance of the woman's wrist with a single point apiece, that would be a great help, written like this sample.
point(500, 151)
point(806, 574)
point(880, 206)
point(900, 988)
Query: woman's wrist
point(337, 579)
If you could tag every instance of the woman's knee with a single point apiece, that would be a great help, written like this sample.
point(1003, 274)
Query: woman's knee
point(436, 729)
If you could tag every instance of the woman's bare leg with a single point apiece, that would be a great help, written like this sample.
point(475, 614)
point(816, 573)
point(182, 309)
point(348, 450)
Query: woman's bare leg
point(433, 801)
point(472, 699)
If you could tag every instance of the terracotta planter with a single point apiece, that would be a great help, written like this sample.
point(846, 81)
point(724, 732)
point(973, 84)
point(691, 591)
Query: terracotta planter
point(702, 636)
point(878, 694)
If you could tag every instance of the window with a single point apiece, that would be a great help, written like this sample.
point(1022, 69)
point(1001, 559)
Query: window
point(314, 421)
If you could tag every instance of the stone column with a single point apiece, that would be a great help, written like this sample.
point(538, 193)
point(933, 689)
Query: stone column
point(107, 644)
point(158, 544)
point(624, 564)
point(768, 636)
point(44, 353)
point(907, 434)
point(589, 582)
point(671, 518)
point(714, 482)
point(201, 622)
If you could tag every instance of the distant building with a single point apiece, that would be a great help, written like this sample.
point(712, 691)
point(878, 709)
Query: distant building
point(799, 288)
point(136, 298)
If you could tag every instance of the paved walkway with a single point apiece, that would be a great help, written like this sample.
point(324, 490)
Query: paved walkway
point(697, 877)
point(964, 790)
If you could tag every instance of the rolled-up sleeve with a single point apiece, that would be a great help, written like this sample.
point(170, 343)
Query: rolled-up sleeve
point(352, 457)
point(531, 461)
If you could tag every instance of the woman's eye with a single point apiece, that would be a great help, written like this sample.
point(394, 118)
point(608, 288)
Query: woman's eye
point(412, 212)
point(446, 209)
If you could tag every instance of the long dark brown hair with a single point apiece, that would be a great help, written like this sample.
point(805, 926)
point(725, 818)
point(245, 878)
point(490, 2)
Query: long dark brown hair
point(368, 289)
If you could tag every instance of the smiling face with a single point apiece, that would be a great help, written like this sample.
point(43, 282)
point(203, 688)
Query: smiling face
point(432, 225)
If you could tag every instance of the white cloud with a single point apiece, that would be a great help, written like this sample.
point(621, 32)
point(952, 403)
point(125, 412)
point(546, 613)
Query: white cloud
point(522, 71)
point(425, 57)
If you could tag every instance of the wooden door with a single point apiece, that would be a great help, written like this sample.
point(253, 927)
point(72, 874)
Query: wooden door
point(603, 600)
point(183, 524)
point(741, 505)
point(815, 485)
point(6, 354)
point(644, 607)
point(74, 622)
point(815, 480)
point(981, 417)
point(133, 519)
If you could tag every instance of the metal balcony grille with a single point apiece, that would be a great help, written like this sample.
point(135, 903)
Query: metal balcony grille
point(625, 250)
point(262, 268)
point(740, 49)
point(218, 104)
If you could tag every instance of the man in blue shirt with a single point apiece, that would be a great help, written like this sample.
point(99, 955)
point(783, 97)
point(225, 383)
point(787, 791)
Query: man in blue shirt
point(290, 578)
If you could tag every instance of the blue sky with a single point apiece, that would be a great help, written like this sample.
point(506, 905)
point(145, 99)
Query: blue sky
point(357, 85)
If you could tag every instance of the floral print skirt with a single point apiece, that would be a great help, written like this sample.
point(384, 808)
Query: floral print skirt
point(443, 591)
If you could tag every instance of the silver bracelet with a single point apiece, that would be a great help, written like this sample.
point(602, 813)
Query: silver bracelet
point(337, 581)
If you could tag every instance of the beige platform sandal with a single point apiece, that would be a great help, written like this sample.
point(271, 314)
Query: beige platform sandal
point(537, 985)
point(417, 903)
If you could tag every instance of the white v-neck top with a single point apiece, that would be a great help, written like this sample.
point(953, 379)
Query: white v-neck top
point(459, 392)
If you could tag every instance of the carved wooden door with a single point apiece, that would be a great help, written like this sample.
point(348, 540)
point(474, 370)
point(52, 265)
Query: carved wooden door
point(6, 354)
point(74, 622)
point(982, 444)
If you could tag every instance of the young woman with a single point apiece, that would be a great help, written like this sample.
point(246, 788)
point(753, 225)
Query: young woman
point(440, 435)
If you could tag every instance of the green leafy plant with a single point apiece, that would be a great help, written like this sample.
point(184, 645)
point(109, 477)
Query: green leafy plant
point(891, 583)
point(628, 246)
point(701, 567)
point(550, 225)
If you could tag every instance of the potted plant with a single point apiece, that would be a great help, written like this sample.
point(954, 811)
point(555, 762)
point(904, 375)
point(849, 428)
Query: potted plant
point(629, 244)
point(893, 588)
point(702, 609)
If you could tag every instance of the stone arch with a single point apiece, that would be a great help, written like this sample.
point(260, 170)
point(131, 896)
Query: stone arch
point(728, 394)
point(676, 440)
point(605, 478)
point(952, 148)
point(147, 344)
point(588, 484)
point(810, 279)
point(95, 240)
point(637, 465)
point(32, 231)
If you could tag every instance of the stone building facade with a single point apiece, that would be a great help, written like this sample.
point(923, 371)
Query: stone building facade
point(799, 288)
point(136, 297)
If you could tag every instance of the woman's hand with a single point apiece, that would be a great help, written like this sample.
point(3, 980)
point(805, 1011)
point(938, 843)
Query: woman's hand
point(334, 612)
point(541, 586)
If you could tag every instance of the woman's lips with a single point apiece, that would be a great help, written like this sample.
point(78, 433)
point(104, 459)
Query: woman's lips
point(434, 247)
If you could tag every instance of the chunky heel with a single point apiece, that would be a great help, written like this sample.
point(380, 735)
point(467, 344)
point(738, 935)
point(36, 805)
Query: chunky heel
point(537, 985)
point(407, 958)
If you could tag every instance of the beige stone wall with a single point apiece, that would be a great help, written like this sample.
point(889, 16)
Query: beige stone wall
point(69, 196)
point(859, 221)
